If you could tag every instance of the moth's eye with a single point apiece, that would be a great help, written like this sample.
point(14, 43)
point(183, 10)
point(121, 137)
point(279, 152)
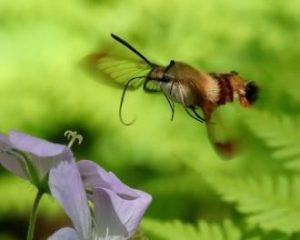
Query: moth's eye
point(166, 78)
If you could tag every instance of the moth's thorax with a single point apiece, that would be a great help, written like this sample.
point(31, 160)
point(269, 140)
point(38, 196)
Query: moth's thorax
point(188, 84)
point(179, 92)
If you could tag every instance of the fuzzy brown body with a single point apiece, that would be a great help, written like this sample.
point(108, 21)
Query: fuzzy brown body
point(188, 86)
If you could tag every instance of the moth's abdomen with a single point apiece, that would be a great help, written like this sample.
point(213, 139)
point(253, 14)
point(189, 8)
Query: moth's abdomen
point(212, 90)
point(226, 92)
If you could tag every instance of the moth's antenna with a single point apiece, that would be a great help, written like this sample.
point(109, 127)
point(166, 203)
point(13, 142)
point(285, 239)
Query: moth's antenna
point(126, 44)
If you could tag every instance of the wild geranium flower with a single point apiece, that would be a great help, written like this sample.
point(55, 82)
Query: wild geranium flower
point(99, 205)
point(30, 157)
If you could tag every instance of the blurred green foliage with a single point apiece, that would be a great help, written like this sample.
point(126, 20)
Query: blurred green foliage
point(196, 195)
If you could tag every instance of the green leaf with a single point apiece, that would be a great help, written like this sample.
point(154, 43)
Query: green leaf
point(272, 203)
point(280, 133)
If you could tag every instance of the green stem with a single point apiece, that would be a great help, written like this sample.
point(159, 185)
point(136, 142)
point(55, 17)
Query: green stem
point(33, 215)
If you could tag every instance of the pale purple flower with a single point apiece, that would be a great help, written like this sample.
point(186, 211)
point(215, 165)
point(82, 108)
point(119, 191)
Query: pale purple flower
point(30, 157)
point(100, 206)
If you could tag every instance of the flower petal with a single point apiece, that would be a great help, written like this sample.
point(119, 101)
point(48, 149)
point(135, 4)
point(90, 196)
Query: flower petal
point(37, 146)
point(117, 216)
point(44, 155)
point(65, 234)
point(107, 221)
point(96, 177)
point(66, 186)
point(9, 161)
point(118, 208)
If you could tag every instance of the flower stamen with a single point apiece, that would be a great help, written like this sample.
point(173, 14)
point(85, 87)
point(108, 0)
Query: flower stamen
point(73, 136)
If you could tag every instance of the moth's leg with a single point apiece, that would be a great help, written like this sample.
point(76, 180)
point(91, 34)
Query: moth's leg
point(197, 114)
point(172, 106)
point(193, 114)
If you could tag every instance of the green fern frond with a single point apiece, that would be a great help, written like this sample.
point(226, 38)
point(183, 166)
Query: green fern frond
point(177, 230)
point(272, 203)
point(280, 133)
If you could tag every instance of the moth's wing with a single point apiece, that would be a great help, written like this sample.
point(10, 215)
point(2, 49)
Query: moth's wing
point(116, 71)
point(224, 132)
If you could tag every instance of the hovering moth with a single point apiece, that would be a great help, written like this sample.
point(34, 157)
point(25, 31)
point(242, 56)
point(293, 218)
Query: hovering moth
point(180, 83)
